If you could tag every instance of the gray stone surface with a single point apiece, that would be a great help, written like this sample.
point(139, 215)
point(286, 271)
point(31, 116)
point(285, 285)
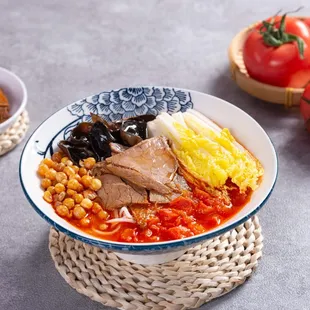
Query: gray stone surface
point(65, 50)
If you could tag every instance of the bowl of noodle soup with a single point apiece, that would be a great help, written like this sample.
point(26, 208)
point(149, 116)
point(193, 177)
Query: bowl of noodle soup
point(148, 172)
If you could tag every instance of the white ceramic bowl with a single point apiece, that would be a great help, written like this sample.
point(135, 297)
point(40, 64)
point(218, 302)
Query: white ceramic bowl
point(127, 102)
point(16, 92)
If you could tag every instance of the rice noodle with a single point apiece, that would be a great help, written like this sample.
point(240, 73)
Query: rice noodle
point(121, 220)
point(124, 212)
point(106, 233)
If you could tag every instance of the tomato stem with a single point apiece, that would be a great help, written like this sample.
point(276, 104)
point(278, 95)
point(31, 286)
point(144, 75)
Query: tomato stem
point(276, 37)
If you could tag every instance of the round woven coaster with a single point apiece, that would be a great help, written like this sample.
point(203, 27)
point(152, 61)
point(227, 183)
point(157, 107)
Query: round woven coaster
point(14, 134)
point(203, 273)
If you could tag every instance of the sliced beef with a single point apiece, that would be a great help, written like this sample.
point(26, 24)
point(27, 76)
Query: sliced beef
point(178, 185)
point(117, 148)
point(115, 193)
point(100, 169)
point(149, 164)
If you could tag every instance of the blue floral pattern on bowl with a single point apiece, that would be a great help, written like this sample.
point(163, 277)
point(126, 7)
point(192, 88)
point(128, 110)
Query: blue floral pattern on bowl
point(128, 102)
point(122, 103)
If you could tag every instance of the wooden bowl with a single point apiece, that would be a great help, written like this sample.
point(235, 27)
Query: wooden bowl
point(280, 95)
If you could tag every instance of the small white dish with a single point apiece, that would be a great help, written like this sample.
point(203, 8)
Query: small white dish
point(16, 92)
point(127, 102)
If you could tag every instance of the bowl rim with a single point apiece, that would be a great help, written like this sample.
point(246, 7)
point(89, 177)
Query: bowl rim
point(23, 102)
point(150, 246)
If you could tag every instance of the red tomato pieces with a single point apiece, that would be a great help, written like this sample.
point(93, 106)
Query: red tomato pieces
point(128, 234)
point(182, 203)
point(179, 232)
point(167, 215)
point(204, 209)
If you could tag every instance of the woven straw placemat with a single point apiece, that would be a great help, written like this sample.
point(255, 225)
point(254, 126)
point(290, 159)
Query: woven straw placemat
point(14, 134)
point(203, 273)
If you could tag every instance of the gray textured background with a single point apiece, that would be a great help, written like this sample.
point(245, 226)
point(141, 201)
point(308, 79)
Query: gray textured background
point(66, 50)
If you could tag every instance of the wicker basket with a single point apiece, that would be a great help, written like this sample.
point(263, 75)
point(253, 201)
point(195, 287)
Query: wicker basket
point(281, 95)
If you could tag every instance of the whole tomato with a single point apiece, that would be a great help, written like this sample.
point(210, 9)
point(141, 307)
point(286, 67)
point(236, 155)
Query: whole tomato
point(277, 52)
point(307, 21)
point(305, 106)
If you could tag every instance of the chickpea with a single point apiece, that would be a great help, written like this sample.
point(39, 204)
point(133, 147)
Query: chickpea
point(75, 176)
point(45, 183)
point(82, 171)
point(89, 163)
point(42, 170)
point(57, 203)
point(48, 162)
point(78, 198)
point(73, 184)
point(62, 210)
point(95, 184)
point(69, 163)
point(60, 176)
point(103, 226)
point(61, 196)
point(69, 203)
point(96, 208)
point(103, 215)
point(80, 188)
point(64, 159)
point(59, 167)
point(75, 168)
point(56, 157)
point(69, 171)
point(85, 222)
point(89, 194)
point(51, 189)
point(86, 203)
point(78, 178)
point(59, 188)
point(71, 192)
point(51, 174)
point(47, 196)
point(86, 180)
point(79, 212)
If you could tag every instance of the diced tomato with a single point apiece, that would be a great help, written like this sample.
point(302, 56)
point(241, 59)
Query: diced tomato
point(213, 220)
point(146, 233)
point(204, 209)
point(225, 210)
point(237, 198)
point(154, 228)
point(167, 215)
point(128, 234)
point(179, 232)
point(201, 195)
point(182, 203)
point(188, 220)
point(153, 221)
point(196, 228)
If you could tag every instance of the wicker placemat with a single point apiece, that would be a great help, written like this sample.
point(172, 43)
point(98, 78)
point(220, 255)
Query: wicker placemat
point(203, 273)
point(14, 134)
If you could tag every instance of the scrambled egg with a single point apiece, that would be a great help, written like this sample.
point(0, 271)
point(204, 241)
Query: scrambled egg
point(215, 160)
